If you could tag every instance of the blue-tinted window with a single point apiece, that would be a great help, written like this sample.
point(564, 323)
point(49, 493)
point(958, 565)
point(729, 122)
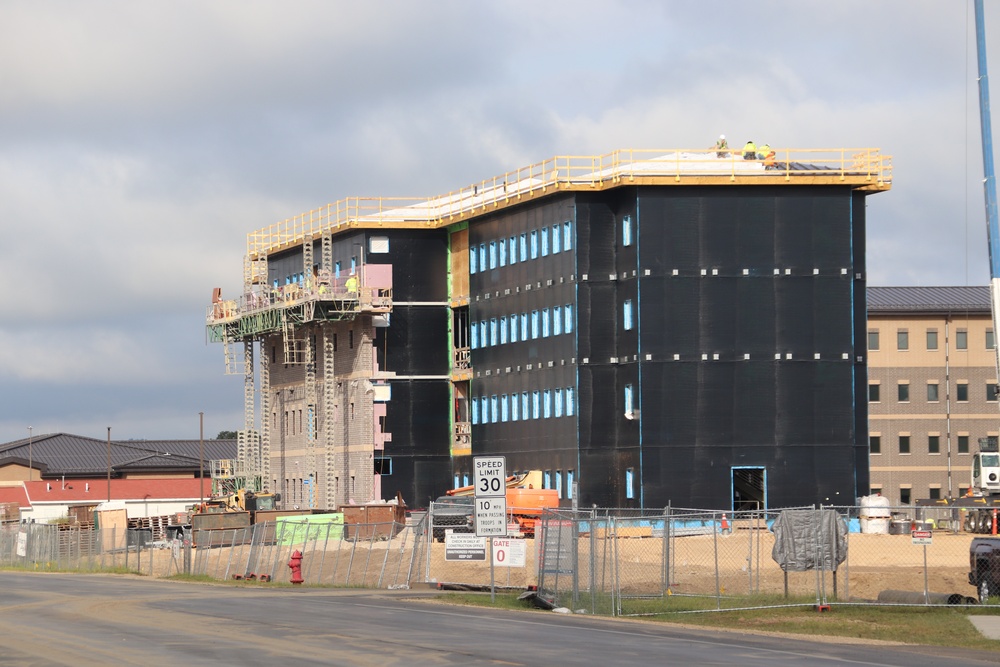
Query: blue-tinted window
point(534, 244)
point(547, 403)
point(513, 407)
point(627, 230)
point(547, 479)
point(569, 483)
point(627, 314)
point(494, 409)
point(568, 318)
point(482, 256)
point(513, 250)
point(534, 324)
point(475, 411)
point(483, 340)
point(484, 406)
point(456, 481)
point(524, 326)
point(465, 479)
point(557, 320)
point(513, 328)
point(544, 233)
point(567, 235)
point(493, 331)
point(472, 262)
point(503, 252)
point(336, 270)
point(558, 400)
point(525, 413)
point(524, 247)
point(570, 401)
point(493, 254)
point(629, 483)
point(555, 239)
point(504, 408)
point(545, 322)
point(536, 404)
point(559, 483)
point(503, 330)
point(474, 336)
point(628, 399)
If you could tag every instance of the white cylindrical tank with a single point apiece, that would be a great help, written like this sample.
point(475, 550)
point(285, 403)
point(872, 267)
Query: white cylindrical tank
point(875, 514)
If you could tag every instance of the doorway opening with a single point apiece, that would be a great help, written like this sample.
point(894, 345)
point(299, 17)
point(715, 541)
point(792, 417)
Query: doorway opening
point(749, 488)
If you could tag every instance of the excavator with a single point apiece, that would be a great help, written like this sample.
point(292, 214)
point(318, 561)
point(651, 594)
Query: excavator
point(526, 499)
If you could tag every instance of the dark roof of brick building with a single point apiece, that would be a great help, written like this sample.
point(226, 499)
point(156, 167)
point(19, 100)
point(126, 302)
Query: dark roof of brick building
point(928, 299)
point(58, 454)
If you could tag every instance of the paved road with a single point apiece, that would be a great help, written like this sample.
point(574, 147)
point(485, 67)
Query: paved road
point(103, 620)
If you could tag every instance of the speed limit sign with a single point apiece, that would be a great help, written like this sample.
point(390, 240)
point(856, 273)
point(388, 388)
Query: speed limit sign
point(490, 476)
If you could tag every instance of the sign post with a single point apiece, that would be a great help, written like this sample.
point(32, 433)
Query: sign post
point(923, 538)
point(490, 478)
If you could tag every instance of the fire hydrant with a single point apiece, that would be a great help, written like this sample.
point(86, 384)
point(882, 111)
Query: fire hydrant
point(296, 564)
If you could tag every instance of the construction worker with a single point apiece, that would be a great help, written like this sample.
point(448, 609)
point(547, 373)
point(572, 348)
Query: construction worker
point(352, 284)
point(750, 150)
point(769, 162)
point(720, 146)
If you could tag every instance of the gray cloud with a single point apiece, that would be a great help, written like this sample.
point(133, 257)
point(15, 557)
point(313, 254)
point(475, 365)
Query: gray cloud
point(140, 142)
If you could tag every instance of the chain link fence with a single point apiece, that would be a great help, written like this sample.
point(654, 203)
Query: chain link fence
point(601, 561)
point(620, 563)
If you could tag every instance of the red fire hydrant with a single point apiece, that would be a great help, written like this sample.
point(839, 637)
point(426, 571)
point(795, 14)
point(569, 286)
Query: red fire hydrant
point(296, 564)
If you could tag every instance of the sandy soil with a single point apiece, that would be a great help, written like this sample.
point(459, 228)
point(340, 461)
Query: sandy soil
point(874, 563)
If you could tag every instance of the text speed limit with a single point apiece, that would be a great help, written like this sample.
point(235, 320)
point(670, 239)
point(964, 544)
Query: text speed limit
point(490, 474)
point(491, 517)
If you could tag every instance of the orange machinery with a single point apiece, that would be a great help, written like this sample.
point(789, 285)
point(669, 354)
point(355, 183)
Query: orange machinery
point(525, 499)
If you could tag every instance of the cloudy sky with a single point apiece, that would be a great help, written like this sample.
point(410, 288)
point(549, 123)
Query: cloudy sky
point(141, 141)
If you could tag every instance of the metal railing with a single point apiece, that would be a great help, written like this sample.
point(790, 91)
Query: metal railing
point(862, 166)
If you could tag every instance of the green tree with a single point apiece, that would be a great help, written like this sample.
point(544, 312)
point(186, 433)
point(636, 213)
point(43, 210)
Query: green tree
point(226, 435)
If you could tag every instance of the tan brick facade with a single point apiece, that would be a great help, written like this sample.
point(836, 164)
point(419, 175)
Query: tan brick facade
point(946, 405)
point(330, 461)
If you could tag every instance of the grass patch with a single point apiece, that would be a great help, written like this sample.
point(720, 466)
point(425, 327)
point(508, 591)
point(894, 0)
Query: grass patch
point(937, 626)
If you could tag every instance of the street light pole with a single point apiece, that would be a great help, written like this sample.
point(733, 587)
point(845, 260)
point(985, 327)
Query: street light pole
point(109, 464)
point(30, 466)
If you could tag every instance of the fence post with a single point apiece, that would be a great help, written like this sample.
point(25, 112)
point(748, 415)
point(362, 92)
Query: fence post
point(616, 598)
point(665, 555)
point(715, 549)
point(429, 541)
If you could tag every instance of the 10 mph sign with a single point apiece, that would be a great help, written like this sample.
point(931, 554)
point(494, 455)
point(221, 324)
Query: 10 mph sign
point(490, 477)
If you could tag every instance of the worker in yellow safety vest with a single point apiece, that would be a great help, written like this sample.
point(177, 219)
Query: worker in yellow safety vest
point(721, 146)
point(352, 284)
point(750, 151)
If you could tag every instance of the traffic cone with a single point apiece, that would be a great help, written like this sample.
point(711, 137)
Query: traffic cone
point(994, 522)
point(725, 524)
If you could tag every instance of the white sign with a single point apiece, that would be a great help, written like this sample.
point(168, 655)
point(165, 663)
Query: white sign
point(921, 536)
point(490, 475)
point(461, 546)
point(508, 552)
point(491, 517)
point(22, 544)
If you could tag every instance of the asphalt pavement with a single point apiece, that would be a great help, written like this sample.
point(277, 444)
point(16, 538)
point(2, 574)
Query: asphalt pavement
point(98, 620)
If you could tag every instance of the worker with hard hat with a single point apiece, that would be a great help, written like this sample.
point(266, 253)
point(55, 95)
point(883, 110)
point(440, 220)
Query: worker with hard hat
point(721, 146)
point(750, 150)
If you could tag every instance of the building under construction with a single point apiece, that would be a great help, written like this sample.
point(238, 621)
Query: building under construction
point(644, 327)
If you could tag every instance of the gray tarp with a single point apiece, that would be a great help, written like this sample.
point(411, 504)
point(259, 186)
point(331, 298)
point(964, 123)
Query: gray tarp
point(809, 539)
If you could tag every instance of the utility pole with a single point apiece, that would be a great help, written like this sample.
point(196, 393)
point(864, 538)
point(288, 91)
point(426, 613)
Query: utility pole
point(30, 466)
point(201, 454)
point(109, 464)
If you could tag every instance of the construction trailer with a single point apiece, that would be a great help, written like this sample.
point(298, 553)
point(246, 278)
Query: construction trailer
point(645, 327)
